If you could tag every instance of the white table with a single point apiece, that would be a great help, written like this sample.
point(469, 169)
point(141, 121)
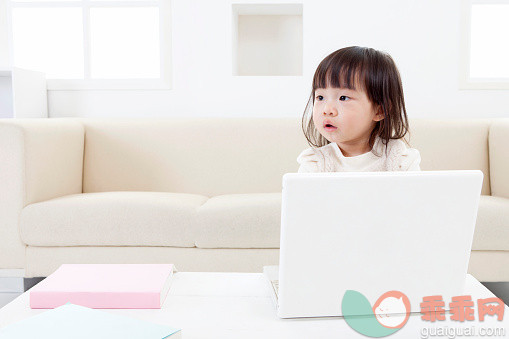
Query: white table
point(238, 305)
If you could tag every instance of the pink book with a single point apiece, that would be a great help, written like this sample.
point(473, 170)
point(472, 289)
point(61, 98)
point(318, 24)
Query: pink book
point(104, 286)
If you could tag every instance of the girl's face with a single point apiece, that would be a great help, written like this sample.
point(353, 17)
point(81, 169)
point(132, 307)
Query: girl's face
point(344, 116)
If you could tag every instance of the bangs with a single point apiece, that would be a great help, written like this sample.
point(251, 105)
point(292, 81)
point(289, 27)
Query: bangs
point(341, 71)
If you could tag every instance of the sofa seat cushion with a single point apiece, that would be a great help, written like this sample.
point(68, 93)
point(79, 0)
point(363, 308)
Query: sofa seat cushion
point(492, 227)
point(188, 220)
point(112, 219)
point(240, 221)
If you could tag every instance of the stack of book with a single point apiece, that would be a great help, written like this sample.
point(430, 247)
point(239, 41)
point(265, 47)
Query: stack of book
point(73, 291)
point(104, 286)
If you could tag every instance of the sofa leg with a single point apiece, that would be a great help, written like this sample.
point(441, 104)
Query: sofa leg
point(28, 283)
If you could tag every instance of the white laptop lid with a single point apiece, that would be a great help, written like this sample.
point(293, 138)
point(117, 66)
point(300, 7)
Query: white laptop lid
point(374, 232)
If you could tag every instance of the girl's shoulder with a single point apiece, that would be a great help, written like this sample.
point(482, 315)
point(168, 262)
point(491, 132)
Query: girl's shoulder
point(309, 161)
point(401, 157)
point(312, 159)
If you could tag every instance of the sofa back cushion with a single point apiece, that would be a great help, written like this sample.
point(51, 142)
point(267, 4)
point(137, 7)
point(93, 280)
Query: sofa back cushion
point(208, 156)
point(452, 145)
point(214, 156)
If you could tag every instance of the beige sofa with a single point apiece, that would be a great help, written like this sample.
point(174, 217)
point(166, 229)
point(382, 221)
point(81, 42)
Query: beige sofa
point(201, 193)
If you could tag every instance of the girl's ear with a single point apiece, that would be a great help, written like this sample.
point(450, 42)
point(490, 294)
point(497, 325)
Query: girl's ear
point(379, 114)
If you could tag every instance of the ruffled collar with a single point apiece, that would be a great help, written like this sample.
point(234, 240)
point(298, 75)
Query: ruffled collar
point(377, 148)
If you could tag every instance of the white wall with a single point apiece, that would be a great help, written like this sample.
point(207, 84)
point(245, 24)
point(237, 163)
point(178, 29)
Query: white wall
point(423, 37)
point(5, 61)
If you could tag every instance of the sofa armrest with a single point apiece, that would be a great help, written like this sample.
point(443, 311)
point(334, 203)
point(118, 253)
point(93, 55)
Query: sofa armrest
point(40, 159)
point(499, 157)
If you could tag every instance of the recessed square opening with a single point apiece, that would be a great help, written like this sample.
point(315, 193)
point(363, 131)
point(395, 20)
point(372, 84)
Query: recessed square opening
point(267, 39)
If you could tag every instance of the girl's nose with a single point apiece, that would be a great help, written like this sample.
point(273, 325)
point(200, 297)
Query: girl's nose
point(330, 111)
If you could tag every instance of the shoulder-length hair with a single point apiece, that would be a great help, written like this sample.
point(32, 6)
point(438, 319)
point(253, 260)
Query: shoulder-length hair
point(376, 73)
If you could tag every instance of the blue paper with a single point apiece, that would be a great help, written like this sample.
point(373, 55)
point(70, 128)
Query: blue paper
point(73, 321)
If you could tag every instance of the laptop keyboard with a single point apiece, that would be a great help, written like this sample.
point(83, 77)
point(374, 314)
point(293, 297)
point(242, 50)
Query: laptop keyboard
point(275, 286)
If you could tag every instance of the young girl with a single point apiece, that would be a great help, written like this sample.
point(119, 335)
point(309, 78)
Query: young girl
point(358, 117)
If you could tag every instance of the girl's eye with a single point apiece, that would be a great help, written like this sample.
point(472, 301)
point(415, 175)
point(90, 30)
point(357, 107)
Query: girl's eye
point(319, 97)
point(343, 96)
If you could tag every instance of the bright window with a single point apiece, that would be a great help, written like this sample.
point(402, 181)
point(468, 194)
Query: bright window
point(489, 41)
point(93, 44)
point(41, 44)
point(128, 49)
point(486, 47)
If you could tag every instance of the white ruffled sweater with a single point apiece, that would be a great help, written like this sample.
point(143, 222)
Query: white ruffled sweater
point(329, 158)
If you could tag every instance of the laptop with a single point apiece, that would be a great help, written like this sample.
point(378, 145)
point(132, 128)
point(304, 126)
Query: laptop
point(373, 232)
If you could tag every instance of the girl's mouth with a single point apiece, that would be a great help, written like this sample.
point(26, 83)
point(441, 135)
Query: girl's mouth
point(329, 127)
